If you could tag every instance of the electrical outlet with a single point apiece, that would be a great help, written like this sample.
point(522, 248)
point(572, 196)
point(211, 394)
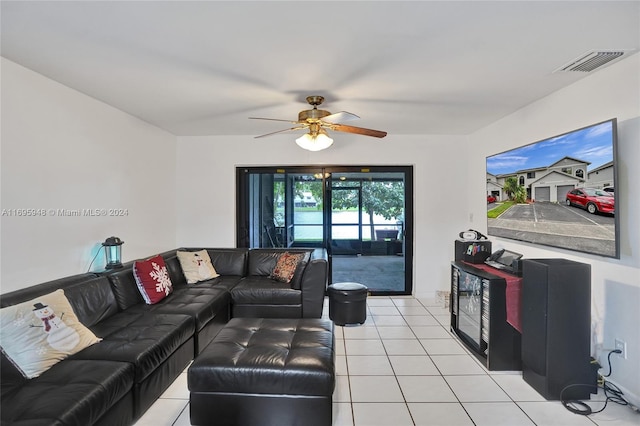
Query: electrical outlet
point(622, 346)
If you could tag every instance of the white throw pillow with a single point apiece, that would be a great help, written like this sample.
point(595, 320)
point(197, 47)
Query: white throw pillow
point(37, 334)
point(197, 266)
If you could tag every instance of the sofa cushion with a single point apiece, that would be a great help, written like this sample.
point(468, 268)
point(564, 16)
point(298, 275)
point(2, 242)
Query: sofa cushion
point(222, 282)
point(145, 339)
point(124, 286)
point(286, 266)
point(296, 282)
point(204, 304)
point(152, 279)
point(263, 290)
point(229, 262)
point(92, 300)
point(37, 334)
point(175, 270)
point(201, 303)
point(10, 377)
point(196, 266)
point(262, 262)
point(70, 393)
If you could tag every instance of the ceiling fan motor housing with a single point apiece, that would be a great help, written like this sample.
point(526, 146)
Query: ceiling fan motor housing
point(312, 114)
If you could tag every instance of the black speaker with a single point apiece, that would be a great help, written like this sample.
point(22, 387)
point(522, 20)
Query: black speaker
point(556, 323)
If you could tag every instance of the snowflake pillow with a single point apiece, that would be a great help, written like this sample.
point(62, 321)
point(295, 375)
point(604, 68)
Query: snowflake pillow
point(37, 334)
point(153, 279)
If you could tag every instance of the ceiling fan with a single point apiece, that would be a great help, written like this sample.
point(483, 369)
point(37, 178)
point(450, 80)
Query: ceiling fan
point(318, 121)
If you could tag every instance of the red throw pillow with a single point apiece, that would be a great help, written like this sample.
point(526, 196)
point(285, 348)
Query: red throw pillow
point(286, 266)
point(153, 279)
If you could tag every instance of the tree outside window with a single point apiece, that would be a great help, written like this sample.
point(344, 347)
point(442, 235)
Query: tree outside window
point(514, 191)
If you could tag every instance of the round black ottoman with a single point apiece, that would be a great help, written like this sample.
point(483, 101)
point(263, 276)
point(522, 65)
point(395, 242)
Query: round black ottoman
point(347, 303)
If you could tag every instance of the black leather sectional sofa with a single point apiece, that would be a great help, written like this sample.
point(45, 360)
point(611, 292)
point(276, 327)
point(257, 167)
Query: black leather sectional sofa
point(145, 347)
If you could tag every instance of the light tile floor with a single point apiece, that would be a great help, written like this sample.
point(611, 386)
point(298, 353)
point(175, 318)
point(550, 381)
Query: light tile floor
point(404, 367)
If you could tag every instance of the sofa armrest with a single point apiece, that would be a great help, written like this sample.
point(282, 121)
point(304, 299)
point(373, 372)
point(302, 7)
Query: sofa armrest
point(314, 285)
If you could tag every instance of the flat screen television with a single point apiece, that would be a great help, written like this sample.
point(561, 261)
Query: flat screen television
point(559, 192)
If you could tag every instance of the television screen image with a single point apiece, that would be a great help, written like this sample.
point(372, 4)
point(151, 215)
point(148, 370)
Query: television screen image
point(559, 191)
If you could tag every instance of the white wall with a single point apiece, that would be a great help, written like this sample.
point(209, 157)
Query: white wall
point(206, 188)
point(615, 286)
point(64, 150)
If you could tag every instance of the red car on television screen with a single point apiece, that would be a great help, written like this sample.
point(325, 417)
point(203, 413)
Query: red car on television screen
point(593, 200)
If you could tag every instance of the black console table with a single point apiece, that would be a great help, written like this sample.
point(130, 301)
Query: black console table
point(479, 316)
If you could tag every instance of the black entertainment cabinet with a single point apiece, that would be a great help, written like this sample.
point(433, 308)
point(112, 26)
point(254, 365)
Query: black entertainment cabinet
point(479, 317)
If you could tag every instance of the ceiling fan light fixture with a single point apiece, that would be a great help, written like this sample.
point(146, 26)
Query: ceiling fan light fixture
point(315, 142)
point(316, 120)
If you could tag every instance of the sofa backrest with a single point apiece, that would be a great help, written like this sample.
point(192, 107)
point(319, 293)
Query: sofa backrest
point(226, 261)
point(28, 293)
point(263, 260)
point(174, 269)
point(124, 286)
point(93, 300)
point(90, 296)
point(124, 283)
point(229, 261)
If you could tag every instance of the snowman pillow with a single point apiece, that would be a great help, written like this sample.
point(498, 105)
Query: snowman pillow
point(196, 266)
point(37, 334)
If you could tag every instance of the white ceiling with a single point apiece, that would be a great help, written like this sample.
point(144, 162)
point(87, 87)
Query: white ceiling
point(418, 67)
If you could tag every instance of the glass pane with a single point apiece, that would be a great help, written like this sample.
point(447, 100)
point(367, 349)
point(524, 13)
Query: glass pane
point(307, 221)
point(283, 209)
point(268, 215)
point(345, 220)
point(367, 216)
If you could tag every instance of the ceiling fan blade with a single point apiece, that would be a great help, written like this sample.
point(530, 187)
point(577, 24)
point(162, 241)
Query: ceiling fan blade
point(340, 117)
point(358, 130)
point(272, 119)
point(282, 131)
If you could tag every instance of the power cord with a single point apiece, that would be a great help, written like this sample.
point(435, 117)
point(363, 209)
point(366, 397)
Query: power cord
point(611, 391)
point(94, 258)
point(616, 351)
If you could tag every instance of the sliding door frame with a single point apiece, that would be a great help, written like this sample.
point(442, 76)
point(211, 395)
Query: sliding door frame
point(243, 204)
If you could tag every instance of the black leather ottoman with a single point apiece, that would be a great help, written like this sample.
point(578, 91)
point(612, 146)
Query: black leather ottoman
point(347, 303)
point(265, 371)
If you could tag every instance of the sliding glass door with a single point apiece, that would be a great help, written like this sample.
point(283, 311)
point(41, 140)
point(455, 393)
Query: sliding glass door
point(362, 216)
point(280, 208)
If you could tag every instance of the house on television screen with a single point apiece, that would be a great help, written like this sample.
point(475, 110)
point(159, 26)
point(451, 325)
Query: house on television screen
point(562, 176)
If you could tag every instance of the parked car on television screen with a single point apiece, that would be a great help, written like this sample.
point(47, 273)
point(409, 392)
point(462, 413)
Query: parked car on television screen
point(591, 199)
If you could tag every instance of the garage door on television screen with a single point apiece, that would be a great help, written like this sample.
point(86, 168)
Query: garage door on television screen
point(558, 191)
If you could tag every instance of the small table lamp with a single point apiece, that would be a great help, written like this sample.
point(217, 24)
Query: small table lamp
point(112, 250)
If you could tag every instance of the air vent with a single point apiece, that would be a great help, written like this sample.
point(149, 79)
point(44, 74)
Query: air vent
point(591, 61)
